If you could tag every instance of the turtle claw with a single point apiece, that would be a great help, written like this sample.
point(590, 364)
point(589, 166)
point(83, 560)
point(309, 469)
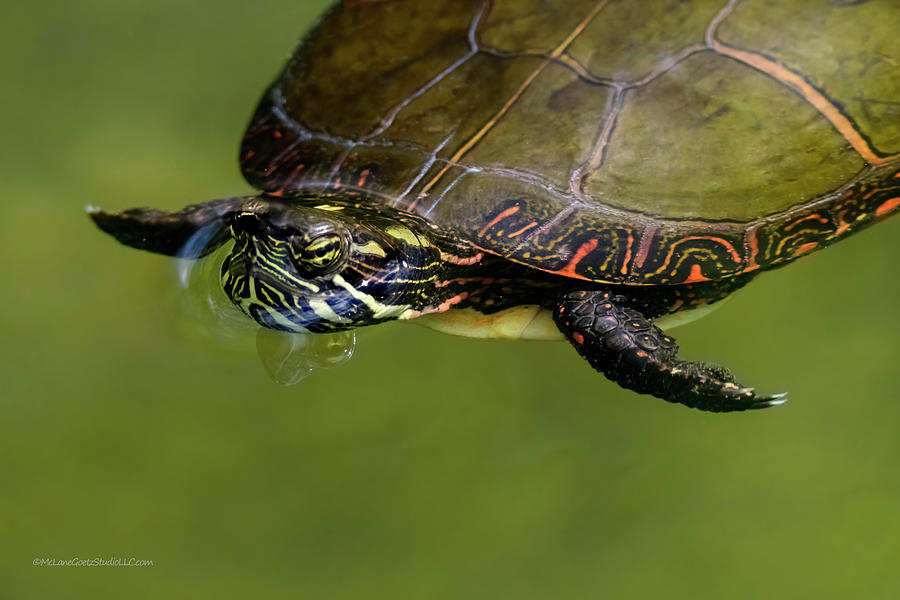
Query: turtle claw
point(774, 400)
point(754, 402)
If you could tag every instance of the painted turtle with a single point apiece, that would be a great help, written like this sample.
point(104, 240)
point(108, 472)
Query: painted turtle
point(502, 165)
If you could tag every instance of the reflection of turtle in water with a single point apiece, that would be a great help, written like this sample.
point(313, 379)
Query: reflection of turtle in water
point(506, 165)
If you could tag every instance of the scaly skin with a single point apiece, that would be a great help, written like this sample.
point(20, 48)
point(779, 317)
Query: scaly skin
point(626, 347)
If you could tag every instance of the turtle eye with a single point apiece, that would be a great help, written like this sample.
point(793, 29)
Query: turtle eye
point(319, 253)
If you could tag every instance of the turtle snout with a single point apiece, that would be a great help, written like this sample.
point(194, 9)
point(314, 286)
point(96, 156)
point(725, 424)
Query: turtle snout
point(247, 222)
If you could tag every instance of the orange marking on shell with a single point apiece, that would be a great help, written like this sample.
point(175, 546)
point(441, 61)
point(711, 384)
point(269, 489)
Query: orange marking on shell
point(624, 269)
point(696, 275)
point(523, 230)
point(808, 92)
point(816, 217)
point(505, 214)
point(887, 206)
point(249, 154)
point(807, 247)
point(897, 175)
point(569, 269)
point(644, 246)
point(277, 193)
point(276, 134)
point(753, 245)
point(362, 177)
point(579, 339)
point(734, 254)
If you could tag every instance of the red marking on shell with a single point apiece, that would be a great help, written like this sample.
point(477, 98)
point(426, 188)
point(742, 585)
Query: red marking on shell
point(816, 217)
point(734, 253)
point(523, 230)
point(644, 246)
point(579, 339)
point(696, 275)
point(276, 134)
point(624, 269)
point(887, 206)
point(569, 269)
point(249, 154)
point(503, 215)
point(752, 246)
point(807, 247)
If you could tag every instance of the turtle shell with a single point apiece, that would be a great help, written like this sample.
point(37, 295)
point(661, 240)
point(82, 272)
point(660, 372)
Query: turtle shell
point(639, 142)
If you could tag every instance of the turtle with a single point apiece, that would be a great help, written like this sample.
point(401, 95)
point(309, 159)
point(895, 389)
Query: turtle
point(582, 169)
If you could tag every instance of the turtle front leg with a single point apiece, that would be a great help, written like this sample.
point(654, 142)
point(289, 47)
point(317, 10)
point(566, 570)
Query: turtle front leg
point(630, 350)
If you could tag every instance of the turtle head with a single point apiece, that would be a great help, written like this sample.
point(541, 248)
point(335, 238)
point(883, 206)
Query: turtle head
point(314, 262)
point(323, 263)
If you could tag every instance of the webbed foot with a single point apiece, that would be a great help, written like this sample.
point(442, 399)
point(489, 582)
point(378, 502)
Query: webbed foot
point(630, 350)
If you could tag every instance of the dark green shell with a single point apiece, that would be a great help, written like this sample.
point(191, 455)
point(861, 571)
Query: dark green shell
point(625, 141)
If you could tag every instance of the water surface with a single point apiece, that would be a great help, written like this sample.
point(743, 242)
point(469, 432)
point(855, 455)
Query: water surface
point(428, 466)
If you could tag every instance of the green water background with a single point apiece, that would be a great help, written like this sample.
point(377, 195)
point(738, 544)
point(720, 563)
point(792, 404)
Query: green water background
point(428, 467)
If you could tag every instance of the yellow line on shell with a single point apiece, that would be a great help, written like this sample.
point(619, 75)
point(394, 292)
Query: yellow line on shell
point(822, 104)
point(518, 93)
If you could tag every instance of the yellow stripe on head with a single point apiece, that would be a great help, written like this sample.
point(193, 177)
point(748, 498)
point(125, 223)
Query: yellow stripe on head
point(402, 233)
